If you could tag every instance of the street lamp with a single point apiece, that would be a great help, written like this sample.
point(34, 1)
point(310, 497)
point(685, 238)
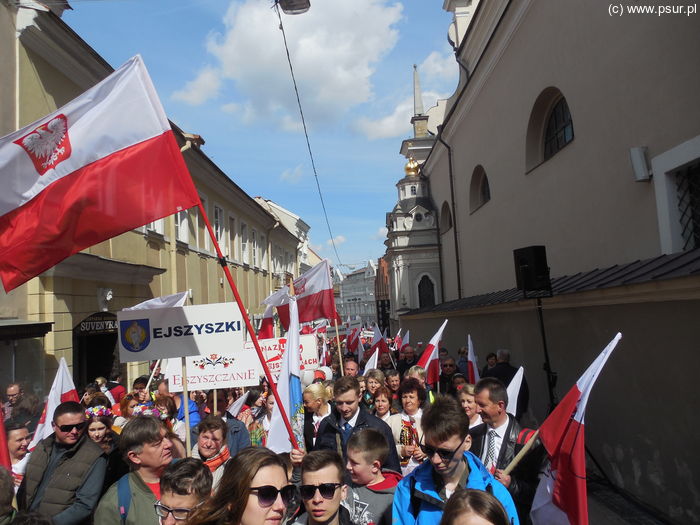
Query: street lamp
point(294, 7)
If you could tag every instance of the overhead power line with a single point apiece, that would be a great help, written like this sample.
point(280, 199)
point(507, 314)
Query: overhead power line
point(306, 134)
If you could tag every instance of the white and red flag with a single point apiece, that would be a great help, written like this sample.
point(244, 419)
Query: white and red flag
point(314, 292)
point(353, 340)
point(430, 360)
point(103, 164)
point(397, 340)
point(561, 496)
point(326, 358)
point(379, 341)
point(472, 366)
point(267, 325)
point(406, 340)
point(62, 390)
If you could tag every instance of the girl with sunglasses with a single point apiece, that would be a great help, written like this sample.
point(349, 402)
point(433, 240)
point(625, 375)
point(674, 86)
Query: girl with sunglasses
point(254, 490)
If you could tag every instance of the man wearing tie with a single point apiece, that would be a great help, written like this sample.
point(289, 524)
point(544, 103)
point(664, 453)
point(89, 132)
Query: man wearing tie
point(497, 441)
point(347, 418)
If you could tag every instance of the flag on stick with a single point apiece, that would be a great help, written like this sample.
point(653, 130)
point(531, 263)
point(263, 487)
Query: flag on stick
point(165, 301)
point(430, 358)
point(289, 390)
point(378, 342)
point(561, 494)
point(406, 340)
point(513, 390)
point(472, 366)
point(397, 340)
point(62, 390)
point(314, 292)
point(267, 325)
point(103, 164)
point(373, 359)
point(353, 341)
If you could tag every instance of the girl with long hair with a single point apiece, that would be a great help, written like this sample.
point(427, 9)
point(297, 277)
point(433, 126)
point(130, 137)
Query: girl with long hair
point(254, 490)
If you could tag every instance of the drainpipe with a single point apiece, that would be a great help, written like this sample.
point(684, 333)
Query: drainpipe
point(454, 214)
point(439, 246)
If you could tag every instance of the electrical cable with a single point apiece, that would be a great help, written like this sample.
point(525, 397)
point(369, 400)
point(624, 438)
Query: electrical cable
point(306, 134)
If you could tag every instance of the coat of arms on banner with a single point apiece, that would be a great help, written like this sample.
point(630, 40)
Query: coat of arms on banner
point(48, 145)
point(213, 360)
point(135, 334)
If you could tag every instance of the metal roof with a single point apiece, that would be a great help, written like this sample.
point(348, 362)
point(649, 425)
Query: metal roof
point(661, 268)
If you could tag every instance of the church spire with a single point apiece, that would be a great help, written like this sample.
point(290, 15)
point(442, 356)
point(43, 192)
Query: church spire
point(417, 94)
point(419, 119)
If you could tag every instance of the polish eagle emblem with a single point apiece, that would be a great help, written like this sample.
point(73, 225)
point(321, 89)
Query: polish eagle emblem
point(48, 144)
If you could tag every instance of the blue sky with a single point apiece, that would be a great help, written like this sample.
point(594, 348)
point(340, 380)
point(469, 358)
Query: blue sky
point(221, 72)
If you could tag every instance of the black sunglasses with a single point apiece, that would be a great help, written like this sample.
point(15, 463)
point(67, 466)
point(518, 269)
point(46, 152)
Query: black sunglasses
point(68, 428)
point(327, 490)
point(444, 453)
point(267, 494)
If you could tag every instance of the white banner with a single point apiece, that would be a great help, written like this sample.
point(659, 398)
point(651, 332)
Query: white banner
point(238, 368)
point(273, 349)
point(183, 331)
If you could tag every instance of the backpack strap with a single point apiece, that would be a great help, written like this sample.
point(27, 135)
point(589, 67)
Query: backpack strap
point(123, 497)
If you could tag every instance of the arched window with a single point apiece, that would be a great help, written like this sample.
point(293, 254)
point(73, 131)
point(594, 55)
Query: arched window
point(445, 218)
point(413, 190)
point(549, 129)
point(560, 129)
point(426, 292)
point(479, 189)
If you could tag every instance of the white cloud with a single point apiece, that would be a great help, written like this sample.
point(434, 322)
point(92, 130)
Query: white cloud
point(398, 122)
point(316, 247)
point(381, 233)
point(335, 47)
point(439, 68)
point(206, 86)
point(339, 239)
point(292, 176)
point(231, 107)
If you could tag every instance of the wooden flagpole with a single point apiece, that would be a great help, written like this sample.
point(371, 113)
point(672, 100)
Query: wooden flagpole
point(186, 408)
point(521, 454)
point(249, 326)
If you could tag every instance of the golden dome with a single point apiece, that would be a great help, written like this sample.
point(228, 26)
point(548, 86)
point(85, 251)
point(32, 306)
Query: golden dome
point(411, 168)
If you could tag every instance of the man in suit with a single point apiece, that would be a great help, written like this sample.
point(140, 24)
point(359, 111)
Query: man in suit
point(348, 417)
point(497, 441)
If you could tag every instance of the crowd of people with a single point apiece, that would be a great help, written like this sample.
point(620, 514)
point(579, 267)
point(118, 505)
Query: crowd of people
point(379, 447)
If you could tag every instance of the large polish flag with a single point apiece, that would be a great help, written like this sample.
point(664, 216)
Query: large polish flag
point(561, 497)
point(289, 390)
point(314, 292)
point(62, 390)
point(103, 164)
point(430, 360)
point(472, 366)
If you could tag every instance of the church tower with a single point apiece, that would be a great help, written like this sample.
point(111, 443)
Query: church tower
point(412, 235)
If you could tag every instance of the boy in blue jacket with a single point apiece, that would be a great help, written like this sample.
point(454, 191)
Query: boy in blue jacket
point(421, 496)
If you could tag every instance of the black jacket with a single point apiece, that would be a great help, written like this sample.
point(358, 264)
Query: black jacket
point(524, 477)
point(329, 436)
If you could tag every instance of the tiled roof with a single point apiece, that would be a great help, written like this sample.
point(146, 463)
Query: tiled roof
point(663, 267)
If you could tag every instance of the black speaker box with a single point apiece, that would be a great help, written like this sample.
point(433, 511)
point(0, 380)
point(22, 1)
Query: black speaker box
point(531, 270)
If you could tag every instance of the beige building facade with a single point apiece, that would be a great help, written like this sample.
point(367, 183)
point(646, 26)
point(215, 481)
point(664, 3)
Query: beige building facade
point(70, 310)
point(580, 131)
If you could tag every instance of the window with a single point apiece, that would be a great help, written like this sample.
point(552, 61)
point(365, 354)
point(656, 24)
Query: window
point(688, 187)
point(244, 243)
point(549, 129)
point(254, 246)
point(182, 232)
point(233, 251)
point(445, 218)
point(202, 237)
point(479, 190)
point(156, 226)
point(426, 292)
point(219, 224)
point(560, 129)
point(263, 252)
point(413, 190)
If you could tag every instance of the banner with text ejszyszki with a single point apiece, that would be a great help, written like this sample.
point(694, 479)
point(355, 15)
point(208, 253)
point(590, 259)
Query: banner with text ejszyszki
point(273, 349)
point(161, 333)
